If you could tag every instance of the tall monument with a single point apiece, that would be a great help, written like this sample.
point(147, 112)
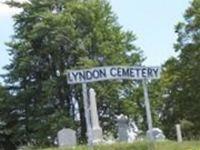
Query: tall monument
point(96, 129)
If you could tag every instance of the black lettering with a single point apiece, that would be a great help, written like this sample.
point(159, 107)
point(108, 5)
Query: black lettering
point(144, 73)
point(81, 76)
point(149, 72)
point(119, 72)
point(125, 72)
point(113, 72)
point(102, 73)
point(75, 75)
point(95, 74)
point(137, 72)
point(69, 77)
point(88, 75)
point(132, 74)
point(155, 70)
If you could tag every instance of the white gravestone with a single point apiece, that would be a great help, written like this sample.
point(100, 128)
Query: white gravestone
point(157, 134)
point(122, 122)
point(97, 135)
point(67, 138)
point(133, 131)
point(127, 129)
point(178, 133)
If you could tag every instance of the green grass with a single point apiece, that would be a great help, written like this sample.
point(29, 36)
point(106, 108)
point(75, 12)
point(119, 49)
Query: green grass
point(168, 145)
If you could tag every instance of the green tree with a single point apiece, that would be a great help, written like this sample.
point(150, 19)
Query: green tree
point(50, 37)
point(8, 118)
point(181, 77)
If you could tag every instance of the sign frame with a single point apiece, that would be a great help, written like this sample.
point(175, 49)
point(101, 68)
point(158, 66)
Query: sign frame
point(85, 76)
point(112, 73)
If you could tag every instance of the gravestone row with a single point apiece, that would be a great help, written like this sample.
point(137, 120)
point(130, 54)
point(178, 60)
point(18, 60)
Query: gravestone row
point(127, 130)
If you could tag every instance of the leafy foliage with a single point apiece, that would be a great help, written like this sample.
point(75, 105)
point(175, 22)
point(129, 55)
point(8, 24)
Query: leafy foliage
point(50, 37)
point(181, 77)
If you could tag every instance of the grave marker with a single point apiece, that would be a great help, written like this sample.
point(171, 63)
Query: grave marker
point(66, 138)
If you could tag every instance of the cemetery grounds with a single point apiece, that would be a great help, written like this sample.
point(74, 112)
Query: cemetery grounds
point(165, 145)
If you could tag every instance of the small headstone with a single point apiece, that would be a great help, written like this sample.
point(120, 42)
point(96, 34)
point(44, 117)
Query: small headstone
point(133, 131)
point(178, 133)
point(122, 122)
point(66, 138)
point(127, 129)
point(157, 134)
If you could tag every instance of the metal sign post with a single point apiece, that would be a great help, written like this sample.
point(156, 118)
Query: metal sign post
point(87, 115)
point(148, 109)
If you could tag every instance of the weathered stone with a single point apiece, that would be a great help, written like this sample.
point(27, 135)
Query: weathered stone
point(156, 133)
point(97, 135)
point(67, 138)
point(127, 129)
point(122, 122)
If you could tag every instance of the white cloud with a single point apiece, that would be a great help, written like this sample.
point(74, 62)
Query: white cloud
point(6, 11)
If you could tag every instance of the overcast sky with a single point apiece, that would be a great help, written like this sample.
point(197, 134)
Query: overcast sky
point(152, 21)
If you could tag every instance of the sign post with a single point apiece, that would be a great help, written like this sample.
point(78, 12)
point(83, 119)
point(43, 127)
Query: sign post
point(148, 109)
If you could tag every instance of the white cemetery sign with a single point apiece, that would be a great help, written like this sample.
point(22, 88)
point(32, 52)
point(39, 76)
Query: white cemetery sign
point(112, 72)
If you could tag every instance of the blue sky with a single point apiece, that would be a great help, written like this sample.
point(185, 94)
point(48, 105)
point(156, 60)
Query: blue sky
point(151, 21)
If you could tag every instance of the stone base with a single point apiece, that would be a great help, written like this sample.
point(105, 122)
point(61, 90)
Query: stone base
point(97, 135)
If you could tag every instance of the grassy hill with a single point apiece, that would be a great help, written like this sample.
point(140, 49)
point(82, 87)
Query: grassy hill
point(168, 145)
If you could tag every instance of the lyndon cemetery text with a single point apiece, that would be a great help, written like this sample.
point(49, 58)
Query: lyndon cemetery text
point(112, 72)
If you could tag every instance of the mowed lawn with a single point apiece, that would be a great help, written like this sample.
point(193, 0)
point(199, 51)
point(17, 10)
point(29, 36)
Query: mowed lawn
point(168, 145)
